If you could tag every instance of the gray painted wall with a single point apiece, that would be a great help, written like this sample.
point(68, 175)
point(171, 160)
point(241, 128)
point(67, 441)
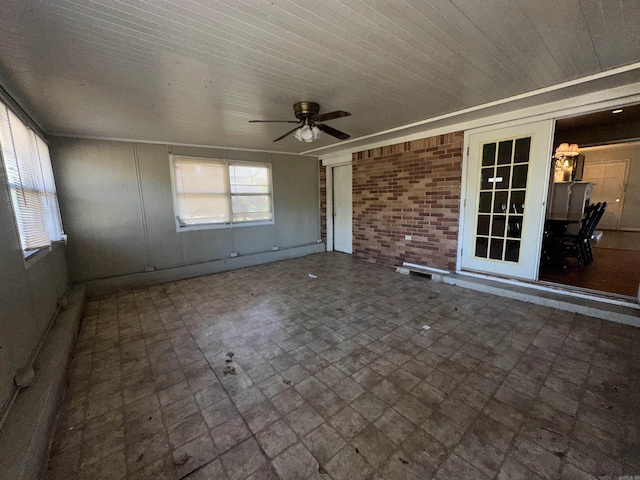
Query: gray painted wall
point(117, 206)
point(630, 218)
point(28, 296)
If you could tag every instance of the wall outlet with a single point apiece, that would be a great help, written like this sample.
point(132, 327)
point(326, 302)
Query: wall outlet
point(275, 248)
point(233, 254)
point(149, 268)
point(407, 237)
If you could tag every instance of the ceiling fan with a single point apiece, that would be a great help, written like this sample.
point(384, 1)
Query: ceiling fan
point(308, 115)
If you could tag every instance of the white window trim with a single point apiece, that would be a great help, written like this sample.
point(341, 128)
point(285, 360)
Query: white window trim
point(222, 225)
point(32, 257)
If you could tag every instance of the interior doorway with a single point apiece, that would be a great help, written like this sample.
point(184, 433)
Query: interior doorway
point(608, 170)
point(342, 208)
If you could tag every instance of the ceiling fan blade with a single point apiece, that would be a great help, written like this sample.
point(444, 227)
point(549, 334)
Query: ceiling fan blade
point(274, 121)
point(286, 134)
point(332, 131)
point(330, 116)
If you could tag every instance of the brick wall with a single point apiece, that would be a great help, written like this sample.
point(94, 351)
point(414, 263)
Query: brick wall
point(410, 188)
point(323, 203)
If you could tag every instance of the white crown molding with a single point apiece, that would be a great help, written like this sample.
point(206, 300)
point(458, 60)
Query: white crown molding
point(617, 87)
point(174, 144)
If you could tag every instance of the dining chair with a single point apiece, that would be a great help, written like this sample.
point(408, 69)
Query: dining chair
point(592, 229)
point(578, 245)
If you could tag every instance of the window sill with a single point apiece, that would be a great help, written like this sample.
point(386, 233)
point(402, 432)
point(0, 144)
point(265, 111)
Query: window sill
point(31, 258)
point(218, 226)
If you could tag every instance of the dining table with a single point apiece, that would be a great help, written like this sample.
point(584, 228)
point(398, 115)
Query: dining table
point(557, 223)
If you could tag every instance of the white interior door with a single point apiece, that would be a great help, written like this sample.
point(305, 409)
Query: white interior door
point(609, 179)
point(342, 213)
point(507, 181)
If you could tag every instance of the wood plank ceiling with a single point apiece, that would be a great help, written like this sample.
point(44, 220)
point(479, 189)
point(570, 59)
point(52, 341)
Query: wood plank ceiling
point(195, 71)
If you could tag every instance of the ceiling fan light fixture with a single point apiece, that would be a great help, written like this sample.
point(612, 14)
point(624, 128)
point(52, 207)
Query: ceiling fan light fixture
point(311, 123)
point(317, 133)
point(307, 134)
point(304, 134)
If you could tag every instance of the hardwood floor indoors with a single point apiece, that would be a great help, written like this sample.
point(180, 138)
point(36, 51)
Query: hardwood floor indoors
point(615, 267)
point(619, 240)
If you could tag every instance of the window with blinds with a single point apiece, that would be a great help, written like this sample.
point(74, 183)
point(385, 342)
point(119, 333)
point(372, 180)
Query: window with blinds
point(31, 183)
point(250, 192)
point(213, 192)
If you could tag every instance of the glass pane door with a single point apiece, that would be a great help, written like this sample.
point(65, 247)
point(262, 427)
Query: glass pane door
point(504, 208)
point(503, 184)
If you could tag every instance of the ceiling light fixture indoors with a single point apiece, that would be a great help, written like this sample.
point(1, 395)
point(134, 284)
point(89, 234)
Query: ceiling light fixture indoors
point(308, 133)
point(565, 157)
point(619, 110)
point(308, 117)
point(565, 150)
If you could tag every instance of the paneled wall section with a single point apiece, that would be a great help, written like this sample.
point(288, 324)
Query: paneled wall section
point(28, 294)
point(413, 189)
point(117, 205)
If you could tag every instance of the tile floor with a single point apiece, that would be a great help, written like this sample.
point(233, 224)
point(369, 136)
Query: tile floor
point(336, 379)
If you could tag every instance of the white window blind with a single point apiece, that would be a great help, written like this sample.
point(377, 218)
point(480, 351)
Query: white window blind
point(49, 195)
point(31, 183)
point(202, 190)
point(213, 191)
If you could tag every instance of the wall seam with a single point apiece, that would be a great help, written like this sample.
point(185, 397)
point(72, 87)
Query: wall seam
point(142, 206)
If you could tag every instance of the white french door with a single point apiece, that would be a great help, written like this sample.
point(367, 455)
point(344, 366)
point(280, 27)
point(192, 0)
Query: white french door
point(506, 189)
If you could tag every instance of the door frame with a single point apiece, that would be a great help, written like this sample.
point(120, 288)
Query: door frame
point(464, 192)
point(329, 163)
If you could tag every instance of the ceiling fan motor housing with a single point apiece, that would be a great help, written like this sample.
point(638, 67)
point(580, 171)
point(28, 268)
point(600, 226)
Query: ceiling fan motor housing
point(306, 110)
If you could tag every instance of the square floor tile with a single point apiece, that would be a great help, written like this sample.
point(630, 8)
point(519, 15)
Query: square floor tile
point(295, 462)
point(336, 375)
point(276, 437)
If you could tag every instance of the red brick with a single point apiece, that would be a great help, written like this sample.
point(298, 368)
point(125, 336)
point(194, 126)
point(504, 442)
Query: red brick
point(422, 180)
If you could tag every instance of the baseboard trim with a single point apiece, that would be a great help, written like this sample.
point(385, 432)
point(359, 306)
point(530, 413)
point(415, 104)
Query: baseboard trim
point(26, 432)
point(106, 286)
point(606, 309)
